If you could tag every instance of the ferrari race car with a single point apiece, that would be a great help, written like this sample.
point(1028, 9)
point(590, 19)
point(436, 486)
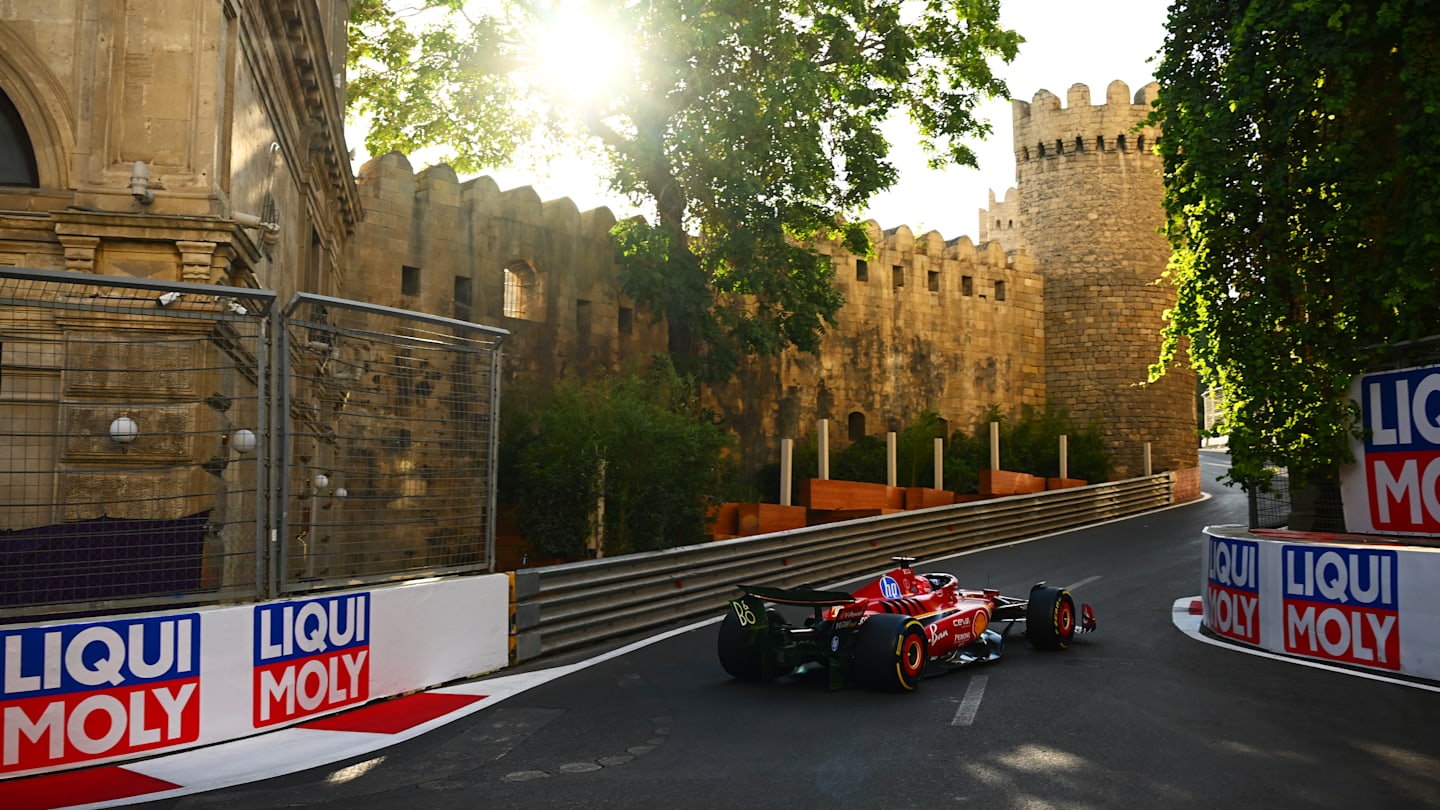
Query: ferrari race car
point(891, 632)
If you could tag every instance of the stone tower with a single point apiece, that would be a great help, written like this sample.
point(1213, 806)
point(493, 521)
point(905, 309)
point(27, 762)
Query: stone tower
point(1090, 210)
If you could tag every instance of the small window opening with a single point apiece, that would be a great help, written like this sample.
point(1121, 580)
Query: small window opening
point(1140, 143)
point(862, 270)
point(967, 285)
point(519, 289)
point(582, 318)
point(933, 281)
point(1100, 143)
point(855, 426)
point(1120, 142)
point(1079, 144)
point(409, 280)
point(999, 291)
point(463, 298)
point(1042, 149)
point(897, 275)
point(627, 321)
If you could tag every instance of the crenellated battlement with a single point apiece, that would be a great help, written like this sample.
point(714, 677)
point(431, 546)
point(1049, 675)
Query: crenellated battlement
point(437, 188)
point(1045, 129)
point(1000, 221)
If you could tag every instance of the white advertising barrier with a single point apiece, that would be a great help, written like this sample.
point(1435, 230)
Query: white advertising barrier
point(1371, 606)
point(1394, 485)
point(78, 693)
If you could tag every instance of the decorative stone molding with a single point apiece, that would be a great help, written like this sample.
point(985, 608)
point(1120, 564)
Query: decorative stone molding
point(196, 260)
point(80, 252)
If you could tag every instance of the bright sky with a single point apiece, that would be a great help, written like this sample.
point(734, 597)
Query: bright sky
point(1066, 42)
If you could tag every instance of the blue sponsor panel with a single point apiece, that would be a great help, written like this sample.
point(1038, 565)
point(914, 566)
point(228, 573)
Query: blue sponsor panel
point(311, 657)
point(86, 691)
point(889, 588)
point(1232, 588)
point(1342, 604)
point(1401, 412)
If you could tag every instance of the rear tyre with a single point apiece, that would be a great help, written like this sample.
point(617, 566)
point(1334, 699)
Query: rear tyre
point(736, 656)
point(890, 653)
point(1050, 618)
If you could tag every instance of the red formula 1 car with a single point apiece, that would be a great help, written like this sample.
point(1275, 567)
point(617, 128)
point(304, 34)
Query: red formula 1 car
point(890, 632)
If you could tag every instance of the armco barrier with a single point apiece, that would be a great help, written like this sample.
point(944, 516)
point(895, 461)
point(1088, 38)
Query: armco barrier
point(563, 607)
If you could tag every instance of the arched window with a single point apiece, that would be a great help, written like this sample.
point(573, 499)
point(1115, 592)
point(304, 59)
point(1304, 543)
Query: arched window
point(855, 425)
point(521, 289)
point(17, 156)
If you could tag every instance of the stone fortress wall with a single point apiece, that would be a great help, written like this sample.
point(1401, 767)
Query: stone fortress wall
point(1057, 302)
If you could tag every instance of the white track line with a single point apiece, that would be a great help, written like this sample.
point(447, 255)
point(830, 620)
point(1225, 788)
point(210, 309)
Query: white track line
point(1081, 583)
point(970, 704)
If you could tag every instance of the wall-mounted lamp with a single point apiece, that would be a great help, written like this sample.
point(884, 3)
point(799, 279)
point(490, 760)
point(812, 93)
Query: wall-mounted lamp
point(140, 183)
point(243, 440)
point(124, 430)
point(321, 481)
point(341, 492)
point(271, 229)
point(166, 299)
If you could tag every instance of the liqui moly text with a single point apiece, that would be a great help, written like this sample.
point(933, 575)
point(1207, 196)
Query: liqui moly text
point(1342, 604)
point(311, 657)
point(98, 690)
point(1232, 589)
point(1402, 449)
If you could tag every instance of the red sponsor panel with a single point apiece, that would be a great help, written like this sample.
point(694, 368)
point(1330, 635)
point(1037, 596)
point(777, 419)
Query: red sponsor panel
point(1405, 491)
point(303, 687)
point(75, 727)
point(1233, 613)
point(1368, 638)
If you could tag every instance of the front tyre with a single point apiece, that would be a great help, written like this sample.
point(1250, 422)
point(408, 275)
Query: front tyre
point(890, 653)
point(1050, 618)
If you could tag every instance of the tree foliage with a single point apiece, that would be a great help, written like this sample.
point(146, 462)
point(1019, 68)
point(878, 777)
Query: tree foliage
point(753, 127)
point(1302, 168)
point(638, 440)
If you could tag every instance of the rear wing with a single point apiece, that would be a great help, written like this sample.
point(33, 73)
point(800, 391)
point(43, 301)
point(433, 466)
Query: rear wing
point(797, 596)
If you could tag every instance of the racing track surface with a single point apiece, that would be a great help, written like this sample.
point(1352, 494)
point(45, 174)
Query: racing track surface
point(1137, 715)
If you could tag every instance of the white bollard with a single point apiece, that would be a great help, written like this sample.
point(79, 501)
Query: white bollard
point(787, 459)
point(823, 429)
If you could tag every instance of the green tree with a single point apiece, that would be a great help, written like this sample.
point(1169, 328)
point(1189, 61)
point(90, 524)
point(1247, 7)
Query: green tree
point(751, 126)
point(639, 440)
point(1302, 170)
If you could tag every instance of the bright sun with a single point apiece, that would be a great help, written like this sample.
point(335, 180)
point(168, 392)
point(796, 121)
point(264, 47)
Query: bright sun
point(579, 54)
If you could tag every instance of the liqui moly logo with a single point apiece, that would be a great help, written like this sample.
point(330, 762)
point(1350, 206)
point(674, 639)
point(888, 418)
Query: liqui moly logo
point(1402, 449)
point(95, 690)
point(1232, 589)
point(311, 657)
point(1342, 604)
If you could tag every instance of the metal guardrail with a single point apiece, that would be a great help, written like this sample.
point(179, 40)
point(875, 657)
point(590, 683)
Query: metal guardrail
point(565, 607)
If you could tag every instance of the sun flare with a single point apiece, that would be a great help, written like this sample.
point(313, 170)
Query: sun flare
point(578, 53)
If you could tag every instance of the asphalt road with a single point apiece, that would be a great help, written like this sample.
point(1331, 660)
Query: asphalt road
point(1137, 715)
